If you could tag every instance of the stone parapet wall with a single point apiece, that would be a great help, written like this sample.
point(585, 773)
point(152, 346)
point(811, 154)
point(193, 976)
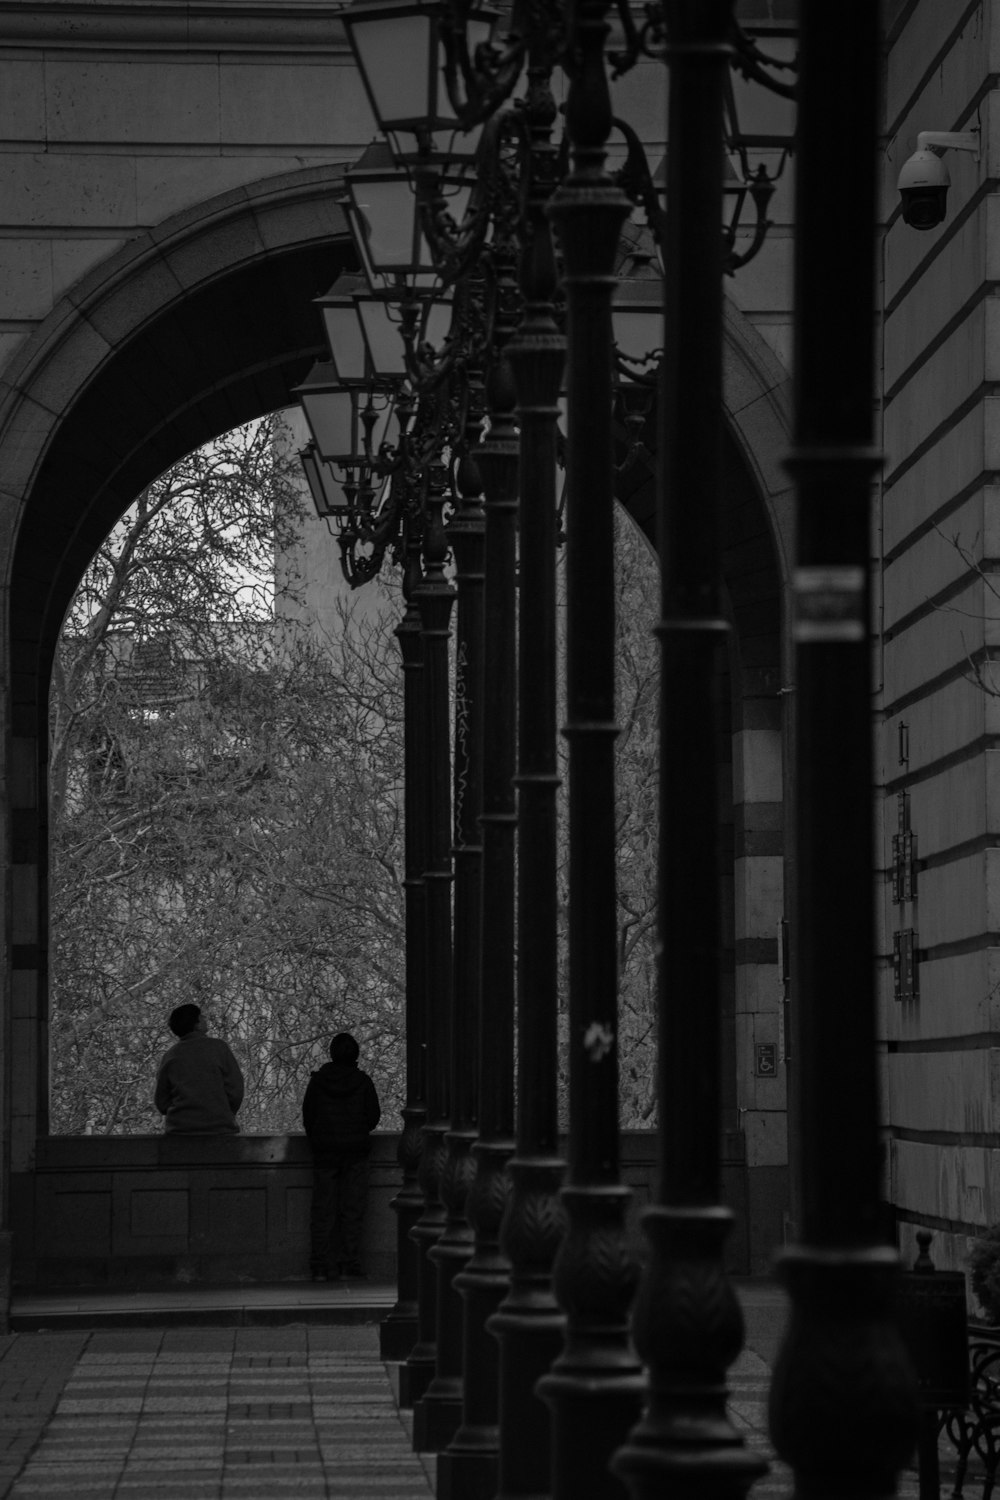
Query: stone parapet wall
point(166, 1209)
point(161, 1210)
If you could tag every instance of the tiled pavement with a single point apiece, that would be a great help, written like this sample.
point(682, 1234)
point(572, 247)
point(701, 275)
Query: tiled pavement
point(188, 1414)
point(259, 1413)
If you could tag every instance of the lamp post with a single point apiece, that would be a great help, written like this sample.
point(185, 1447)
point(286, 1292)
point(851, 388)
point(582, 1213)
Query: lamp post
point(594, 1386)
point(349, 337)
point(439, 1413)
point(383, 36)
point(688, 1324)
point(413, 504)
point(529, 1323)
point(398, 1332)
point(841, 1369)
point(438, 1406)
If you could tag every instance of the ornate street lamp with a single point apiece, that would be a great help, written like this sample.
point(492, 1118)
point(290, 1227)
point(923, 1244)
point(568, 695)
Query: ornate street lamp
point(594, 1386)
point(393, 326)
point(534, 354)
point(327, 493)
point(373, 335)
point(637, 324)
point(401, 58)
point(637, 319)
point(344, 334)
point(348, 424)
point(402, 322)
point(344, 402)
point(385, 222)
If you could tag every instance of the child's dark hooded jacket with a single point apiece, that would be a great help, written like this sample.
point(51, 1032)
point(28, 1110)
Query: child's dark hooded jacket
point(339, 1111)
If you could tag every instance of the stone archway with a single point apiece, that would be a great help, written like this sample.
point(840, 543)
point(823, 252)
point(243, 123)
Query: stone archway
point(203, 324)
point(197, 326)
point(756, 849)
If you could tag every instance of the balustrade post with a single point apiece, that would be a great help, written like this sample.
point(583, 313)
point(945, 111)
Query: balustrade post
point(843, 1399)
point(595, 1387)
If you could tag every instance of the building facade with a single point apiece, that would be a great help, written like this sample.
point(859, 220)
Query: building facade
point(937, 705)
point(168, 207)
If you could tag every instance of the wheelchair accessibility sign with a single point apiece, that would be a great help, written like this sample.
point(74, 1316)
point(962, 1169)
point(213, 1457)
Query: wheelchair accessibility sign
point(766, 1061)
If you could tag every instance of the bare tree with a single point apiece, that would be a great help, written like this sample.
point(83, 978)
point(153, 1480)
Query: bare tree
point(636, 807)
point(227, 814)
point(227, 798)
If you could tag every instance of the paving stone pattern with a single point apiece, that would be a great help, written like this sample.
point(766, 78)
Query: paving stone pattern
point(249, 1414)
point(188, 1414)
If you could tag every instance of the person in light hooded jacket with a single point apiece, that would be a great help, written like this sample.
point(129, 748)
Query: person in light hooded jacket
point(339, 1112)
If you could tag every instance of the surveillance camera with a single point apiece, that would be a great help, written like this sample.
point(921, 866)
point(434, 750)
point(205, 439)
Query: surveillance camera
point(923, 188)
point(923, 182)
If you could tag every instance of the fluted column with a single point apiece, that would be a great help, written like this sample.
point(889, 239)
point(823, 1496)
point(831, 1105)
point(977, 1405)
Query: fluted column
point(843, 1408)
point(398, 1331)
point(595, 1388)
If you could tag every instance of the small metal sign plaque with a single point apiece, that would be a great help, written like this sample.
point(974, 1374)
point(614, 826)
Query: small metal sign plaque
point(932, 1320)
point(766, 1064)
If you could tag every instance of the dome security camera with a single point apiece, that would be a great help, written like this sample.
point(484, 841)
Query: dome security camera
point(923, 182)
point(923, 188)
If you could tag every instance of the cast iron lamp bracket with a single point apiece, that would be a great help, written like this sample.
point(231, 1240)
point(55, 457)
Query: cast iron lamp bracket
point(479, 81)
point(488, 230)
point(748, 60)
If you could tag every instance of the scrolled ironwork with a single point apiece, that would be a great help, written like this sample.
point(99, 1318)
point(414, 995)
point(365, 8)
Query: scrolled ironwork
point(479, 82)
point(756, 183)
point(758, 66)
point(515, 322)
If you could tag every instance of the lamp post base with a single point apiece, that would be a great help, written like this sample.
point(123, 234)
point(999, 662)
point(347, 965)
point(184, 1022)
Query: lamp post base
point(590, 1420)
point(437, 1416)
point(467, 1470)
point(415, 1375)
point(843, 1369)
point(398, 1333)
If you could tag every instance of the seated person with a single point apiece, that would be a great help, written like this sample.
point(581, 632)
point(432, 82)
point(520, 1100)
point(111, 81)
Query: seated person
point(199, 1086)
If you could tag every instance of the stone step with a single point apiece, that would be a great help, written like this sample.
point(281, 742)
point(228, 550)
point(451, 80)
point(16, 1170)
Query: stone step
point(205, 1306)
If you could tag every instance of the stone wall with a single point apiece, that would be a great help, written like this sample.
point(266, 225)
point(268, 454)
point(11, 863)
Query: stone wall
point(939, 543)
point(115, 117)
point(165, 170)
